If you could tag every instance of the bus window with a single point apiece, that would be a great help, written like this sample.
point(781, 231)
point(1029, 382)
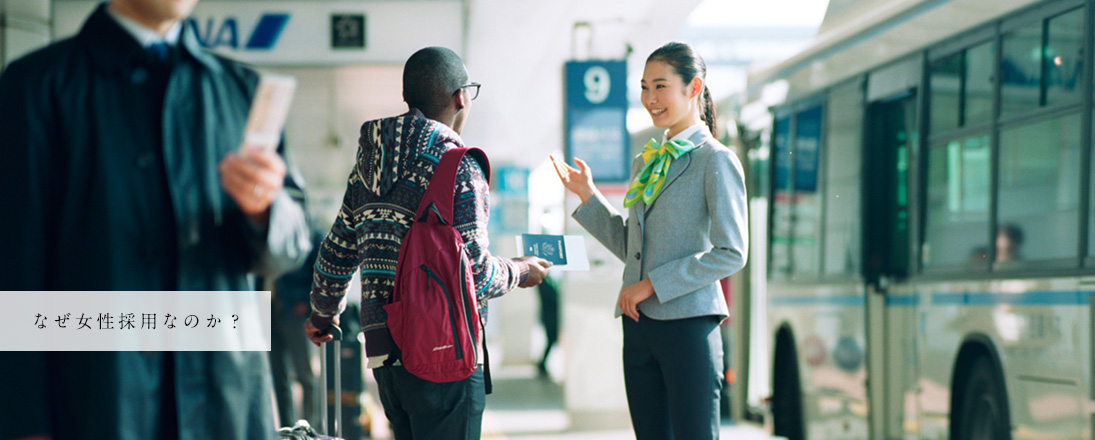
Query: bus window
point(843, 140)
point(779, 252)
point(806, 244)
point(1064, 45)
point(945, 84)
point(961, 87)
point(1021, 69)
point(1038, 194)
point(957, 228)
point(1091, 219)
point(796, 208)
point(978, 87)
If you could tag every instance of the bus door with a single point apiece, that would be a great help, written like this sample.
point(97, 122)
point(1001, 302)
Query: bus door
point(890, 138)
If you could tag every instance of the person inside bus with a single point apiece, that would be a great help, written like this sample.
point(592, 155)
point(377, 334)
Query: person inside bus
point(1008, 239)
point(685, 230)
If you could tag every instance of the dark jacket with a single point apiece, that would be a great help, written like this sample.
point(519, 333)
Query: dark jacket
point(110, 182)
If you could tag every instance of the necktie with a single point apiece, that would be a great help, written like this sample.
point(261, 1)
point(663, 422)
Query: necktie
point(159, 51)
point(650, 179)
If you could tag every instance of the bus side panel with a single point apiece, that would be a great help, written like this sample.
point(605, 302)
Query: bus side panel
point(1038, 332)
point(829, 333)
point(900, 369)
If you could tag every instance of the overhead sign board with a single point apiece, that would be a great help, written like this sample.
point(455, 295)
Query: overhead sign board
point(596, 117)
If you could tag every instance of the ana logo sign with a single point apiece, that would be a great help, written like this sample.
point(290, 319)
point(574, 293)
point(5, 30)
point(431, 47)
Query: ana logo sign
point(225, 33)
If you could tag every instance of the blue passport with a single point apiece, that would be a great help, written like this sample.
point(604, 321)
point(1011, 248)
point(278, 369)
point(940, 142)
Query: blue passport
point(548, 247)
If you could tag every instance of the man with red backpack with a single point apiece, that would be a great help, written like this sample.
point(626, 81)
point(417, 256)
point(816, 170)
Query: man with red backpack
point(395, 164)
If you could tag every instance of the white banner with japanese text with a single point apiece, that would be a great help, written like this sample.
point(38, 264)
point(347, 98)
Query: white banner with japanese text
point(135, 321)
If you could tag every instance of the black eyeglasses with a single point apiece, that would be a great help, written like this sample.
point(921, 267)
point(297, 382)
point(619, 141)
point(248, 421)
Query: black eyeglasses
point(473, 90)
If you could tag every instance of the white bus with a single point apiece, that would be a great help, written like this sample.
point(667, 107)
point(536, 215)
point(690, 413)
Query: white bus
point(925, 267)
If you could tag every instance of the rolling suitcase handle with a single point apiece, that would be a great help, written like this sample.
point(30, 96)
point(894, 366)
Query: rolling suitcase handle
point(336, 333)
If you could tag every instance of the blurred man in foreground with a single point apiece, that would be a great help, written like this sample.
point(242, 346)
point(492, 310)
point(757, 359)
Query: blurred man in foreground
point(123, 170)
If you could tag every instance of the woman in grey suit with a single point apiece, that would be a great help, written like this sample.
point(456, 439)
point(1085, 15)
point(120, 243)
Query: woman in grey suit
point(685, 230)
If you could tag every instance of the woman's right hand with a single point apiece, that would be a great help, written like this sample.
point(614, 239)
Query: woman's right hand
point(578, 181)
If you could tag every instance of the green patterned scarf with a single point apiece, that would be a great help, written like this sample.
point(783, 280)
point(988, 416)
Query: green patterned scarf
point(651, 178)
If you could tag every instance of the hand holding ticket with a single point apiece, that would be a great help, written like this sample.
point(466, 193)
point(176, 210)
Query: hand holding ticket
point(269, 108)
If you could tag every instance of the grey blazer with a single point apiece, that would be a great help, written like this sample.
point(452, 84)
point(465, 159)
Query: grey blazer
point(692, 235)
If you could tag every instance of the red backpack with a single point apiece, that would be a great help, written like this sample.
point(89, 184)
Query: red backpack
point(433, 316)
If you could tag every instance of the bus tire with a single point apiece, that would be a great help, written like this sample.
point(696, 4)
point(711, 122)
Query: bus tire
point(787, 396)
point(983, 414)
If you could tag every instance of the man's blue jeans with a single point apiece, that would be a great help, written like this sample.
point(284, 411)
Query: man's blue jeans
point(424, 410)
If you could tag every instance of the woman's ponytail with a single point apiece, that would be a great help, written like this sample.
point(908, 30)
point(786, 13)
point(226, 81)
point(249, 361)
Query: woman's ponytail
point(708, 113)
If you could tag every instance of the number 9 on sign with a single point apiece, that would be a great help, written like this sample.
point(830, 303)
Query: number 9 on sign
point(597, 84)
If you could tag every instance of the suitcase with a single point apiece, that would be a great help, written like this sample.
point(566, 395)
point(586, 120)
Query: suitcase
point(302, 430)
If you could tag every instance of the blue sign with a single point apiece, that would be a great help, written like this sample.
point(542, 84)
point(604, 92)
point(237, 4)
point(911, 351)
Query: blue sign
point(781, 136)
point(596, 118)
point(510, 180)
point(225, 33)
point(807, 141)
point(509, 200)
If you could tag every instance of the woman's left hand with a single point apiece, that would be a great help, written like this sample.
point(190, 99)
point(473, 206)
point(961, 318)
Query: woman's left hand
point(634, 294)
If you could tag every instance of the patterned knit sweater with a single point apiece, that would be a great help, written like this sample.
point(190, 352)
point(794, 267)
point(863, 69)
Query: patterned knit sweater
point(395, 161)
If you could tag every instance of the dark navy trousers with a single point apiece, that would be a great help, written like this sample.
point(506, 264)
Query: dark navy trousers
point(673, 376)
point(423, 410)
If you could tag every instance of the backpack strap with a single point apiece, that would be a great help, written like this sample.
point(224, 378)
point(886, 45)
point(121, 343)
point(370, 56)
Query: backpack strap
point(488, 385)
point(441, 190)
point(481, 158)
